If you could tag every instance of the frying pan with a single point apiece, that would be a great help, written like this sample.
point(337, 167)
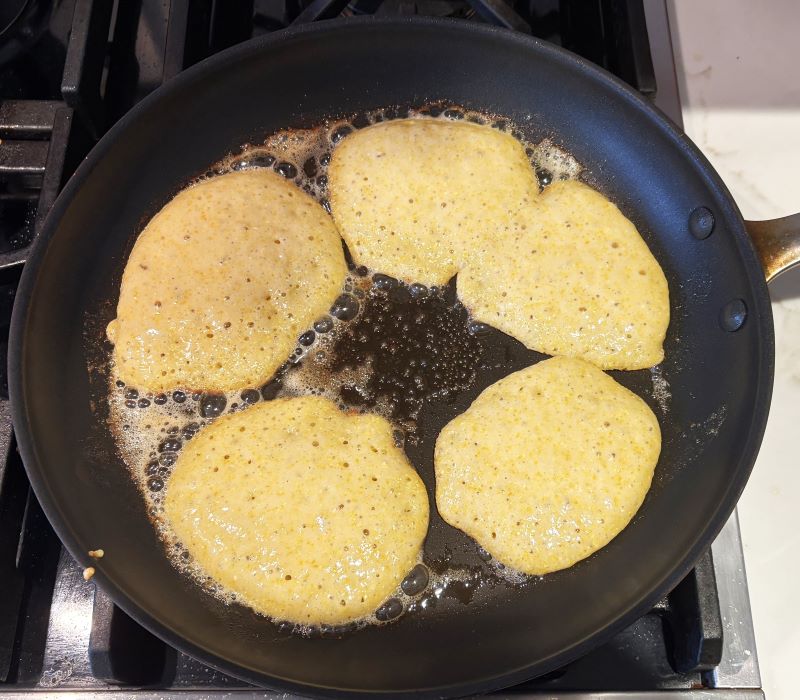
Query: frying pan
point(719, 349)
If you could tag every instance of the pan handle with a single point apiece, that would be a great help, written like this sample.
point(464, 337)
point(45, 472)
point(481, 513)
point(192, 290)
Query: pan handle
point(777, 242)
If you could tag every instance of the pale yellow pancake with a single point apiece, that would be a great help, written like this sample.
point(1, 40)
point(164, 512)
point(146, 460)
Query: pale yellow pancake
point(574, 278)
point(411, 195)
point(306, 513)
point(221, 282)
point(547, 465)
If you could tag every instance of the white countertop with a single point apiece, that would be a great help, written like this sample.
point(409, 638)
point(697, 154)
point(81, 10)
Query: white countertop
point(738, 66)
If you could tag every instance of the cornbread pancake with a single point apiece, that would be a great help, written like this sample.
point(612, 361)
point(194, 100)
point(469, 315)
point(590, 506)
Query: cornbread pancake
point(306, 513)
point(574, 278)
point(410, 196)
point(547, 465)
point(221, 282)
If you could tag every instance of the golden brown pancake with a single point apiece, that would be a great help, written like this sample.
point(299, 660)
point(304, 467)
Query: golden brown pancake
point(574, 278)
point(411, 195)
point(304, 512)
point(547, 465)
point(221, 282)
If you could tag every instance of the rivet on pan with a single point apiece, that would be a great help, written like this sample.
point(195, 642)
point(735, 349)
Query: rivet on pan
point(701, 223)
point(733, 315)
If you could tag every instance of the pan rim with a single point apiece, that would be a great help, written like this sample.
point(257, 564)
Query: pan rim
point(714, 523)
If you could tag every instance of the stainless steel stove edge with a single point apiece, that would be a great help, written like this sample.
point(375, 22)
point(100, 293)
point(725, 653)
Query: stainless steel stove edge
point(684, 694)
point(739, 665)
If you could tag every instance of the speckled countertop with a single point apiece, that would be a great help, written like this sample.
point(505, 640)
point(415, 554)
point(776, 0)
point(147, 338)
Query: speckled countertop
point(738, 67)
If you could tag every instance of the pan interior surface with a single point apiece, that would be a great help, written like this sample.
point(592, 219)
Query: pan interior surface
point(719, 381)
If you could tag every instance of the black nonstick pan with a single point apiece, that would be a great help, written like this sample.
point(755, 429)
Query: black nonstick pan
point(719, 349)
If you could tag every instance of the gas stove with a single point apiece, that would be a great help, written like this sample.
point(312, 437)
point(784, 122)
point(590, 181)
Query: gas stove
point(68, 70)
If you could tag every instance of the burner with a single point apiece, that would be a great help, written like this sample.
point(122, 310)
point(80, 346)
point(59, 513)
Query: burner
point(10, 13)
point(21, 22)
point(429, 8)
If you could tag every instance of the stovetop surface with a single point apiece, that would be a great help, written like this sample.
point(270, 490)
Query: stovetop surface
point(83, 64)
